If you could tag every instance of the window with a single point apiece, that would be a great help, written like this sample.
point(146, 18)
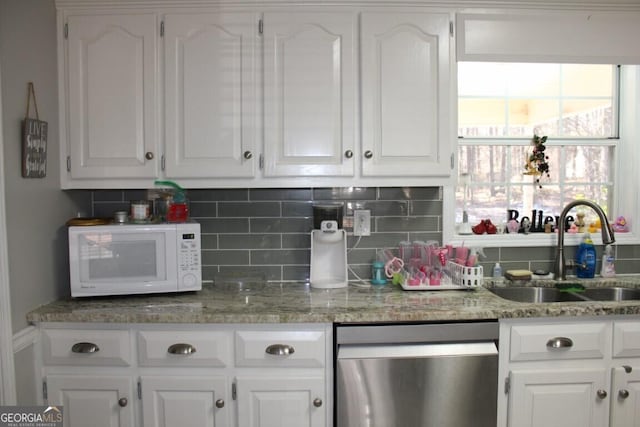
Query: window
point(500, 108)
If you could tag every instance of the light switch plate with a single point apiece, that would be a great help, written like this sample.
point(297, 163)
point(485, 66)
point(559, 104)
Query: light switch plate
point(361, 222)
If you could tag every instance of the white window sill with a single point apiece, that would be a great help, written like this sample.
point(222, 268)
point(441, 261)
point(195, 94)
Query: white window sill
point(535, 240)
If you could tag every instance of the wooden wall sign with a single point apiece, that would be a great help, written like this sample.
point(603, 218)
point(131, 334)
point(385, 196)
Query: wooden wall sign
point(34, 141)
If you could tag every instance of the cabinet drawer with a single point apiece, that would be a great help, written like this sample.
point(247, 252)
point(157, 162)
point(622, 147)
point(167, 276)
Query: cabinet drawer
point(626, 339)
point(558, 341)
point(184, 348)
point(280, 348)
point(86, 347)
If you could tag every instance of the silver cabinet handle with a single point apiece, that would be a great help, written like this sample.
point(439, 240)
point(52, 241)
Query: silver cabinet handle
point(368, 154)
point(181, 348)
point(601, 394)
point(123, 402)
point(148, 155)
point(247, 155)
point(280, 350)
point(623, 394)
point(348, 154)
point(317, 402)
point(219, 403)
point(85, 347)
point(559, 342)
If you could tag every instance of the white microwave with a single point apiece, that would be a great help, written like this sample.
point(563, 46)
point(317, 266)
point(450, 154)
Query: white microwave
point(134, 259)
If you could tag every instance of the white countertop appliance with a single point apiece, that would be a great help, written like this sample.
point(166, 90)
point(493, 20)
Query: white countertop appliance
point(134, 259)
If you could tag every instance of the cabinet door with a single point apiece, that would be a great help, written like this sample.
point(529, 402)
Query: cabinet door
point(406, 95)
point(558, 398)
point(184, 401)
point(210, 92)
point(309, 94)
point(96, 401)
point(112, 99)
point(281, 402)
point(625, 399)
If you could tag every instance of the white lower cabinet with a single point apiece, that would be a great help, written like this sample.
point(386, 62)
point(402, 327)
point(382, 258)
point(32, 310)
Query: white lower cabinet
point(281, 401)
point(281, 377)
point(184, 401)
point(92, 400)
point(625, 401)
point(559, 373)
point(557, 398)
point(188, 376)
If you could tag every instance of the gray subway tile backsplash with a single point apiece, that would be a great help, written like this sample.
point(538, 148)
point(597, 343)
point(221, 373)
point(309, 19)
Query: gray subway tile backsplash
point(249, 209)
point(278, 194)
point(221, 195)
point(251, 234)
point(408, 224)
point(265, 233)
point(345, 193)
point(223, 225)
point(250, 241)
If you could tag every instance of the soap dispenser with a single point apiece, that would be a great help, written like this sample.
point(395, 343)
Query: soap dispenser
point(586, 259)
point(608, 268)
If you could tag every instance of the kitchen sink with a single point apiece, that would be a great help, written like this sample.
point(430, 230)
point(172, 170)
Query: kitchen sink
point(539, 294)
point(612, 294)
point(533, 294)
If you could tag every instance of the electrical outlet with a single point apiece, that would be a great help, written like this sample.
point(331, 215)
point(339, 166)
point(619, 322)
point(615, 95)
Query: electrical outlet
point(361, 222)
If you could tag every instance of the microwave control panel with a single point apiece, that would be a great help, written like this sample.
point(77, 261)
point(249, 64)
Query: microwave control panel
point(189, 258)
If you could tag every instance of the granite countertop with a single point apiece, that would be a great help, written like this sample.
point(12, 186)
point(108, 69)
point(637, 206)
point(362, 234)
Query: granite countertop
point(299, 303)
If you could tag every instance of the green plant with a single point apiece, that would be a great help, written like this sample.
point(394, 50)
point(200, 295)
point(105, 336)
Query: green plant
point(537, 163)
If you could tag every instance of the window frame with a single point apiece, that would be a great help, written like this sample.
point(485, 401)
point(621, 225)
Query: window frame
point(625, 163)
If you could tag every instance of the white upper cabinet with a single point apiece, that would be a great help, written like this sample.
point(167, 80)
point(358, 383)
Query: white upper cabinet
point(255, 97)
point(309, 94)
point(210, 95)
point(406, 94)
point(588, 37)
point(109, 126)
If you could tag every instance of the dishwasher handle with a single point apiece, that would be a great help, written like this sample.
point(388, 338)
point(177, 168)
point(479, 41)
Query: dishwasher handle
point(416, 350)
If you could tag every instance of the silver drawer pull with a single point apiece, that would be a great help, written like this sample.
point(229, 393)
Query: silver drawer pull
point(280, 350)
point(559, 342)
point(602, 394)
point(181, 348)
point(85, 348)
point(317, 402)
point(123, 402)
point(219, 403)
point(623, 394)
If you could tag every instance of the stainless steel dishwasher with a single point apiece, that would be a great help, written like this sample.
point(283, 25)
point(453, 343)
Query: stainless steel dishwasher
point(417, 375)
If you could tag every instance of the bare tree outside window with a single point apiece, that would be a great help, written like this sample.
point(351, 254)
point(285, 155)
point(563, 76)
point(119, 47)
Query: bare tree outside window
point(501, 106)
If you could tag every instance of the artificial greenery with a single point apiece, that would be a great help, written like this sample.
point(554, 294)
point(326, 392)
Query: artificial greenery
point(538, 164)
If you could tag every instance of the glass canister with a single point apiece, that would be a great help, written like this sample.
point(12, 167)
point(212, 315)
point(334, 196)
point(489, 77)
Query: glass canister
point(140, 210)
point(377, 273)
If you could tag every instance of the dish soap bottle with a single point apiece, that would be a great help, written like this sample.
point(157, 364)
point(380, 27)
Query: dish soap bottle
point(586, 258)
point(608, 268)
point(497, 272)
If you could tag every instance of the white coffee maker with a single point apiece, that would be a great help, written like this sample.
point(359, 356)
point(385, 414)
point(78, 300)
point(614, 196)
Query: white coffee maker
point(328, 248)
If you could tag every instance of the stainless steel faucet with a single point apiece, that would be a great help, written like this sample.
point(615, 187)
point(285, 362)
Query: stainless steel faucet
point(607, 234)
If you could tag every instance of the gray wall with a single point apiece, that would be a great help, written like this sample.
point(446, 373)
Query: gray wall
point(36, 208)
